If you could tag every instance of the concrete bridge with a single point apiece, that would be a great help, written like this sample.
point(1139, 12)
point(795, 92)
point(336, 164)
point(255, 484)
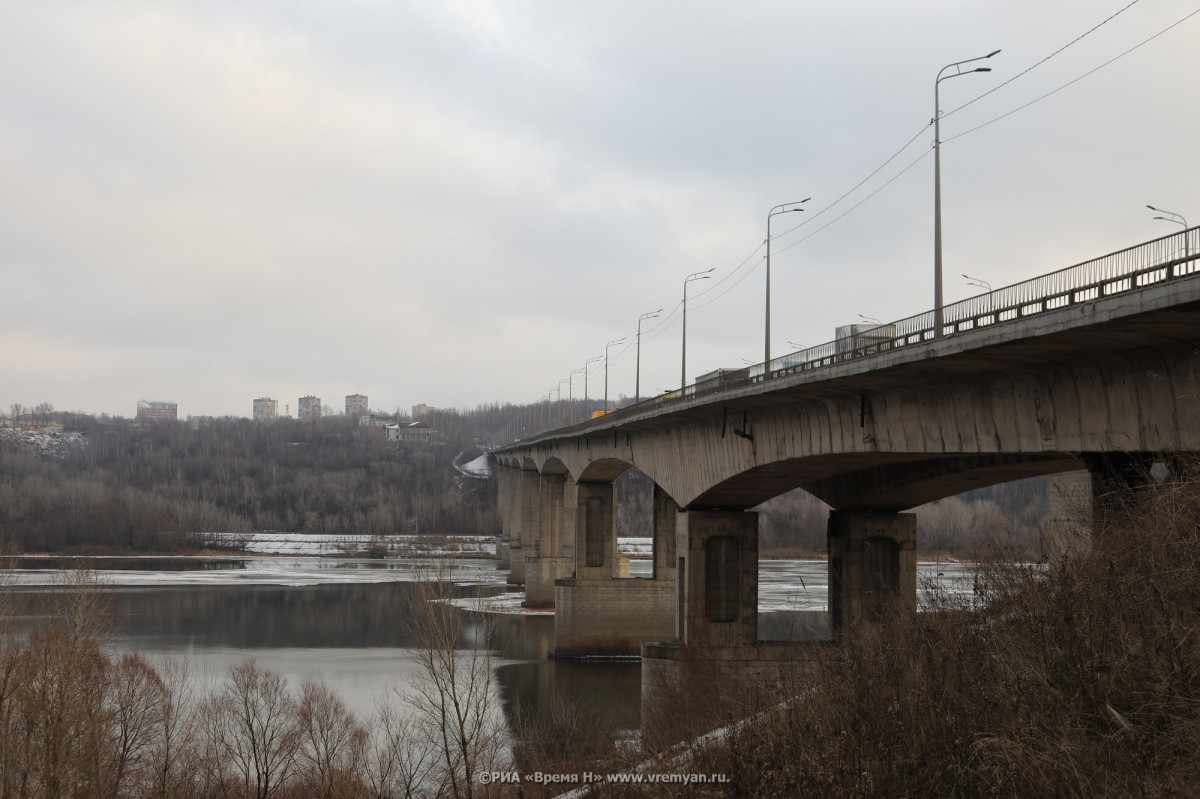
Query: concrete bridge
point(1096, 367)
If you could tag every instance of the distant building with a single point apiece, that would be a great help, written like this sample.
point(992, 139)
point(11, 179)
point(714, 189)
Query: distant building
point(265, 408)
point(422, 410)
point(376, 420)
point(356, 405)
point(408, 431)
point(309, 408)
point(157, 411)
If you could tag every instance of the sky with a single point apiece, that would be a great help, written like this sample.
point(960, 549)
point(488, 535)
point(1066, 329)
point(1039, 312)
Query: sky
point(463, 202)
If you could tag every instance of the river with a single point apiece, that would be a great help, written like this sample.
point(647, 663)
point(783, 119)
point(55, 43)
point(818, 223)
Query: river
point(334, 619)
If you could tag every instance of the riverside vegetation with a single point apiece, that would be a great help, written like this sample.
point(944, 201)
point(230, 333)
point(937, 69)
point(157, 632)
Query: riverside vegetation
point(124, 486)
point(1079, 678)
point(114, 485)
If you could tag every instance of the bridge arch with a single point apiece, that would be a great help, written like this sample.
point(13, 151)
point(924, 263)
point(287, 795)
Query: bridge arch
point(604, 470)
point(882, 481)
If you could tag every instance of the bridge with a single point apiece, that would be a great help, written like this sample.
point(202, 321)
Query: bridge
point(1093, 367)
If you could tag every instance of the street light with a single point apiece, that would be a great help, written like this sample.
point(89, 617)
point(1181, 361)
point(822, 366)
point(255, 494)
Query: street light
point(637, 380)
point(983, 284)
point(606, 348)
point(571, 393)
point(978, 282)
point(937, 181)
point(794, 344)
point(779, 209)
point(683, 361)
point(870, 319)
point(586, 415)
point(1179, 221)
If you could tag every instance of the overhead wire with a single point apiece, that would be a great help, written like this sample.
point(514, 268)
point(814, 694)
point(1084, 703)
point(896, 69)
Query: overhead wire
point(1074, 41)
point(1075, 80)
point(669, 320)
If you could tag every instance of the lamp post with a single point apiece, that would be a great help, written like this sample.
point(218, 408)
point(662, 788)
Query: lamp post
point(560, 413)
point(1179, 221)
point(571, 391)
point(637, 380)
point(937, 180)
point(977, 282)
point(683, 365)
point(779, 209)
point(606, 348)
point(586, 415)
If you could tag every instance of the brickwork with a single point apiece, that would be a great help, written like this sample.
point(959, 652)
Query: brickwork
point(540, 574)
point(611, 617)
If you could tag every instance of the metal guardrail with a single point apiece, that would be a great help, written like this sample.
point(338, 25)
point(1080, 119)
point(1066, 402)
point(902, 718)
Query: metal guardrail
point(1157, 261)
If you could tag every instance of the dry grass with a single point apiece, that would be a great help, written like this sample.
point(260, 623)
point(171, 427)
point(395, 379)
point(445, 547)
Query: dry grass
point(1078, 679)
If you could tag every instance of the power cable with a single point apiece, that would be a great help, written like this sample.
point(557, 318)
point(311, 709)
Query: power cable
point(1076, 80)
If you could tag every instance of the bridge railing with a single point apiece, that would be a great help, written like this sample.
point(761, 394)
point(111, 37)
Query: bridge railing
point(1160, 260)
point(1163, 259)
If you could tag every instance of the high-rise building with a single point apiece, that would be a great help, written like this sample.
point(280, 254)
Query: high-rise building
point(157, 411)
point(309, 408)
point(356, 405)
point(265, 408)
point(422, 410)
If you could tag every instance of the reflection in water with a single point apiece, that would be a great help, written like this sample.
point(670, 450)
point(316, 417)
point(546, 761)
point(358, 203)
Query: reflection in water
point(316, 618)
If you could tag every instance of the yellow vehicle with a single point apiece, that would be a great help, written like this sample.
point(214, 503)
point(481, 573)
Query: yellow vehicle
point(598, 414)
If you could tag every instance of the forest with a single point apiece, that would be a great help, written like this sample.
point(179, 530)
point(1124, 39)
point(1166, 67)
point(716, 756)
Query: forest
point(116, 484)
point(92, 484)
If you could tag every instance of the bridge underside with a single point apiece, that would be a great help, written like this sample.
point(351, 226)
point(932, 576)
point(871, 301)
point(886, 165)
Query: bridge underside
point(882, 481)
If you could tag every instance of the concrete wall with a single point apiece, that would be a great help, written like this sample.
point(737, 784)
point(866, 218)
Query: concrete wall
point(540, 576)
point(717, 578)
point(1070, 527)
point(872, 566)
point(928, 420)
point(611, 617)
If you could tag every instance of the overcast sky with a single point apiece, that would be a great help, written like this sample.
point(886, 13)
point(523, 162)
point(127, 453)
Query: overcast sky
point(460, 202)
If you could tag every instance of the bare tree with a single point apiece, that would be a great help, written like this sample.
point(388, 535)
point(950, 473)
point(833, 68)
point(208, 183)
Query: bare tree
point(250, 732)
point(42, 412)
point(454, 697)
point(136, 700)
point(400, 758)
point(333, 743)
point(174, 754)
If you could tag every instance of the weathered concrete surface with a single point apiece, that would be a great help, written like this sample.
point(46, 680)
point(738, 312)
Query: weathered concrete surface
point(718, 578)
point(927, 420)
point(872, 566)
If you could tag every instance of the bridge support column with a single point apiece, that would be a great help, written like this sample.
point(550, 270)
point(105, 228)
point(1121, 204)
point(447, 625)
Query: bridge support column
point(528, 523)
point(717, 579)
point(548, 564)
point(666, 516)
point(1115, 476)
point(600, 611)
point(872, 564)
point(1069, 531)
point(1083, 503)
point(506, 498)
point(716, 670)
